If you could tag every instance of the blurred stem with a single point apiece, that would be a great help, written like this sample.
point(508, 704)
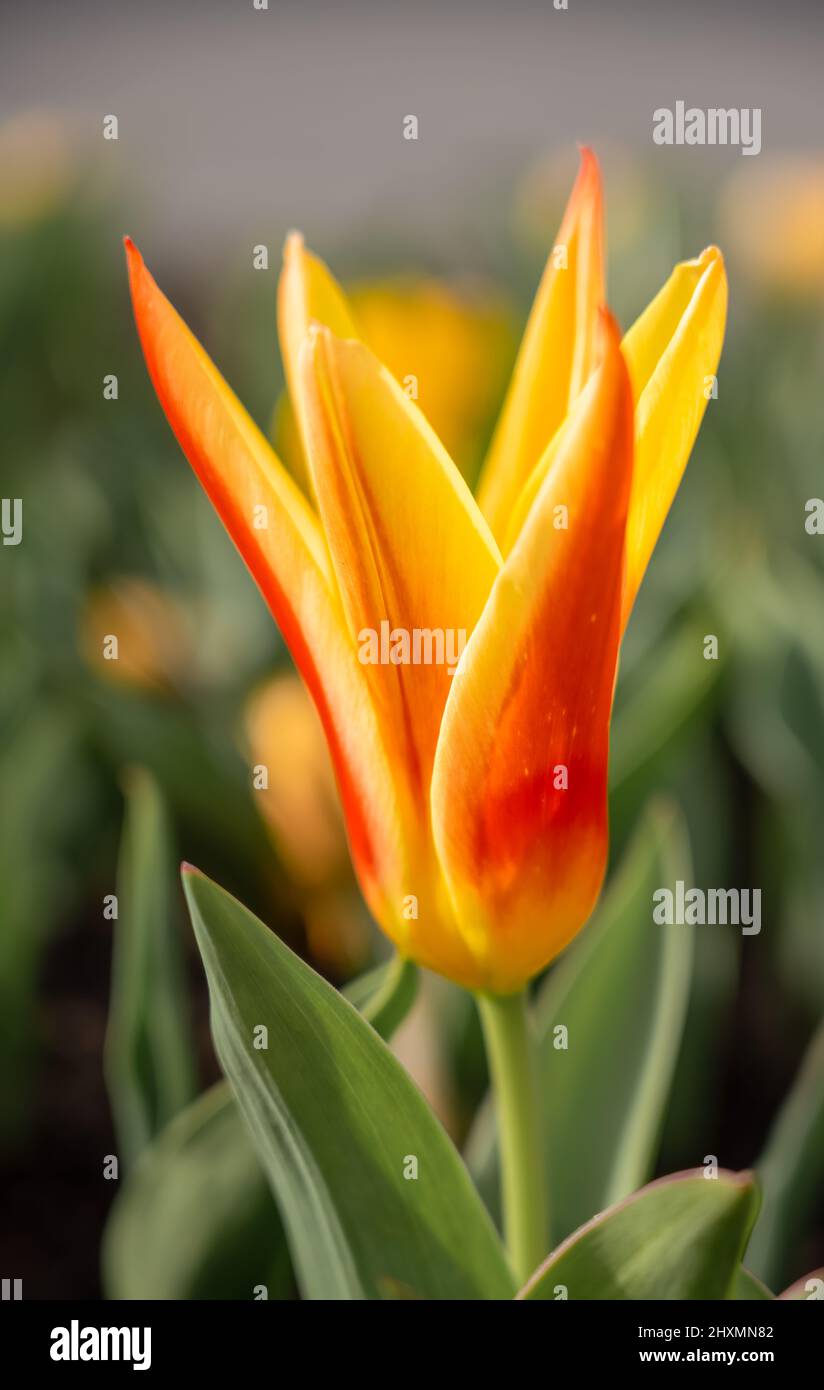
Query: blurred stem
point(388, 1006)
point(513, 1067)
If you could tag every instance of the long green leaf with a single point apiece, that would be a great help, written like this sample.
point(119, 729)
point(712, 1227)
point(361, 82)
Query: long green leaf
point(195, 1219)
point(621, 995)
point(680, 1238)
point(375, 1199)
point(791, 1171)
point(149, 1061)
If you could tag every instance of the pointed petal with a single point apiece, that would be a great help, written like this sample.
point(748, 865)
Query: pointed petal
point(558, 352)
point(286, 555)
point(523, 857)
point(307, 293)
point(532, 487)
point(408, 545)
point(670, 351)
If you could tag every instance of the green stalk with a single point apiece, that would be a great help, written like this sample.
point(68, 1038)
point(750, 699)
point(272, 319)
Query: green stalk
point(512, 1064)
point(394, 997)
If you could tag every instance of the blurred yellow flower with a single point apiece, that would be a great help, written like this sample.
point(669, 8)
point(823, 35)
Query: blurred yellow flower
point(301, 808)
point(300, 805)
point(153, 647)
point(450, 349)
point(773, 218)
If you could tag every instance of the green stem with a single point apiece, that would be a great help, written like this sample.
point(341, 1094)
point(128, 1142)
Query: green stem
point(512, 1064)
point(393, 999)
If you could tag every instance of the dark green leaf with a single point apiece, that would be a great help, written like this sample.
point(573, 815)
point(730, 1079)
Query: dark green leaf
point(748, 1289)
point(791, 1171)
point(149, 1064)
point(337, 1124)
point(195, 1218)
point(680, 1238)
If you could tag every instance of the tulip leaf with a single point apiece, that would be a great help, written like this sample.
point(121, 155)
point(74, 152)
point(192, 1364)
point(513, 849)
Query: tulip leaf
point(375, 1200)
point(194, 1218)
point(809, 1288)
point(621, 994)
point(791, 1170)
point(149, 1058)
point(748, 1289)
point(385, 995)
point(658, 705)
point(681, 1237)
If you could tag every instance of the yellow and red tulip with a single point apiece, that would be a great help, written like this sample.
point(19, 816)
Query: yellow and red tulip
point(475, 802)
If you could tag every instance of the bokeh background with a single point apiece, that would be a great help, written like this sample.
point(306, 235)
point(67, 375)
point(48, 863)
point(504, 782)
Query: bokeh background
point(235, 125)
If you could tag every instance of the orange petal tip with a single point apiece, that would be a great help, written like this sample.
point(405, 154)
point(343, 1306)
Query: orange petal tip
point(589, 171)
point(134, 260)
point(609, 325)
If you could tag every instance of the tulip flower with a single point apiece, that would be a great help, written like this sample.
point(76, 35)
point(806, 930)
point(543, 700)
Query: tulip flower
point(475, 799)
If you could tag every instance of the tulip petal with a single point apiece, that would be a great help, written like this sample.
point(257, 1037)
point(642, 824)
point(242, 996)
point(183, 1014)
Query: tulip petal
point(524, 856)
point(531, 488)
point(407, 542)
point(558, 353)
point(414, 561)
point(279, 538)
point(307, 293)
point(670, 351)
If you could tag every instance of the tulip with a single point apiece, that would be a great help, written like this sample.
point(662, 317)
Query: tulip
point(475, 802)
